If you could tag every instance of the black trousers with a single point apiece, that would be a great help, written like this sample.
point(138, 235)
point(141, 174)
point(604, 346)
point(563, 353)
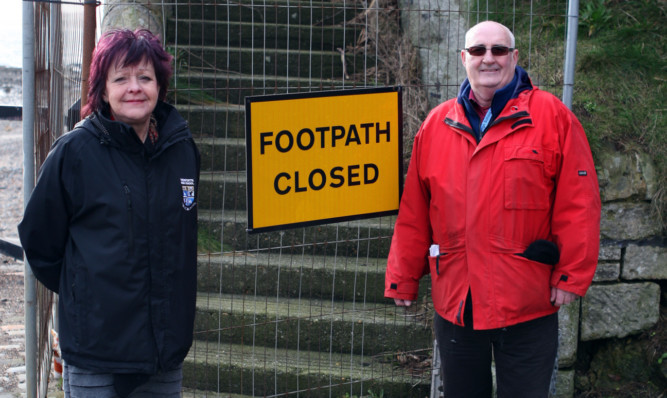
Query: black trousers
point(524, 355)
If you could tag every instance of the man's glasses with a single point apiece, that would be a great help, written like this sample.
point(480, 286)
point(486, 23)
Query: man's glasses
point(495, 50)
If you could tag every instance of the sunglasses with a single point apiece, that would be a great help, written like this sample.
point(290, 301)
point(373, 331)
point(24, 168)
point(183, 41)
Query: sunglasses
point(495, 50)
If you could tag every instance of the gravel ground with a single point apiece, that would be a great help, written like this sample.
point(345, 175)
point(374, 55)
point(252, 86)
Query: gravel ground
point(10, 89)
point(12, 318)
point(12, 315)
point(12, 334)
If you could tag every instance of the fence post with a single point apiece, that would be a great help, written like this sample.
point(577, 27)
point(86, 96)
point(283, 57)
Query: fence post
point(30, 292)
point(570, 51)
point(88, 45)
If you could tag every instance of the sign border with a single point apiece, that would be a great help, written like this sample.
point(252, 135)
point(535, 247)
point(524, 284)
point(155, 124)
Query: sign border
point(315, 94)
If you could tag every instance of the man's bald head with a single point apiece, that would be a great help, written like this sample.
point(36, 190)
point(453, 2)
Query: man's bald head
point(471, 32)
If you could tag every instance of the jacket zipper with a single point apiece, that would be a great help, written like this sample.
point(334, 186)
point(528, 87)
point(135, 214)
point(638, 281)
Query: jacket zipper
point(458, 125)
point(128, 202)
point(517, 115)
point(461, 126)
point(176, 138)
point(458, 314)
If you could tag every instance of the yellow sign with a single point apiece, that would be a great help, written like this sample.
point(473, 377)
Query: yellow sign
point(315, 158)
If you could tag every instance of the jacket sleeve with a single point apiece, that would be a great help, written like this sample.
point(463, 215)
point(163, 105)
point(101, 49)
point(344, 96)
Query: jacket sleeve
point(44, 229)
point(576, 210)
point(408, 260)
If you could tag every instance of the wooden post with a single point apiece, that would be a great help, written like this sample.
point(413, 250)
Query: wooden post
point(89, 26)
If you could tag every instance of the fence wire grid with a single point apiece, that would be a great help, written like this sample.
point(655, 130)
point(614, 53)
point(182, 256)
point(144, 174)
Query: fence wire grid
point(299, 312)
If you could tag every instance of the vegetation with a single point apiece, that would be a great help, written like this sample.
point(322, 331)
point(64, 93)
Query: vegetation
point(207, 242)
point(620, 91)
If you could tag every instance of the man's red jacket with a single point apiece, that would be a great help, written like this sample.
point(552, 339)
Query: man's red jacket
point(531, 177)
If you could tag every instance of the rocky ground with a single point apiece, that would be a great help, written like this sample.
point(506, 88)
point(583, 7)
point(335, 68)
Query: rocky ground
point(10, 86)
point(12, 335)
point(12, 318)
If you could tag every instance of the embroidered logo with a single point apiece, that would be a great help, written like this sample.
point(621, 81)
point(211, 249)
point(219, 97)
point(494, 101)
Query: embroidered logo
point(188, 188)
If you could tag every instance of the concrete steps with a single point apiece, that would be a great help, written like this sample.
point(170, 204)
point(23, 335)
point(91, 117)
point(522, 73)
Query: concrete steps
point(220, 155)
point(298, 312)
point(265, 35)
point(223, 120)
point(276, 371)
point(306, 276)
point(324, 64)
point(237, 86)
point(307, 324)
point(316, 13)
point(361, 238)
point(194, 393)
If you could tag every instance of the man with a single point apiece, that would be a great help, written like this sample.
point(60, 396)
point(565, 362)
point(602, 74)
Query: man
point(501, 206)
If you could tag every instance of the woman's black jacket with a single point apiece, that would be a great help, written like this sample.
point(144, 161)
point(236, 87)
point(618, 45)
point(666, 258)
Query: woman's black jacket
point(112, 227)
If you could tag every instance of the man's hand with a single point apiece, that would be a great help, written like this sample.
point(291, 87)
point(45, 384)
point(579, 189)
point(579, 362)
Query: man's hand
point(561, 297)
point(402, 303)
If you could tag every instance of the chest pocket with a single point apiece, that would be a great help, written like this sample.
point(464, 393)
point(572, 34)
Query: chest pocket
point(526, 184)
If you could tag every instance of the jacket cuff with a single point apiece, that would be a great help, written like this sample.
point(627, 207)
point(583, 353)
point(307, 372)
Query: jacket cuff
point(402, 290)
point(564, 282)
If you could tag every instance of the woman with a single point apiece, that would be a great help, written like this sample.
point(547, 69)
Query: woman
point(112, 227)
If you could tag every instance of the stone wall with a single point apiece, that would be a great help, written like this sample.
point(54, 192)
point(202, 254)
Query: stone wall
point(146, 14)
point(436, 29)
point(624, 299)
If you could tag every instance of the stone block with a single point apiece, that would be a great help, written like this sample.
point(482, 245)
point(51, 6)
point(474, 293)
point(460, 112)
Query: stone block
point(645, 262)
point(625, 175)
point(609, 263)
point(568, 329)
point(565, 384)
point(610, 252)
point(140, 14)
point(607, 272)
point(628, 221)
point(437, 29)
point(619, 310)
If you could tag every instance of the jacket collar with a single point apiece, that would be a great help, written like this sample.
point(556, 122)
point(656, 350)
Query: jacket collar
point(521, 82)
point(514, 116)
point(170, 125)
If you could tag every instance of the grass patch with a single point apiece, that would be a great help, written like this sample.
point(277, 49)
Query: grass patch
point(207, 242)
point(620, 80)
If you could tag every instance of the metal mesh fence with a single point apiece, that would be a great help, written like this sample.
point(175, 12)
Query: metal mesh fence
point(57, 57)
point(298, 312)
